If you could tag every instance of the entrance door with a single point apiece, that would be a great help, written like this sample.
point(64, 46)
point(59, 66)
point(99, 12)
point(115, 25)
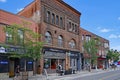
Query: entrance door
point(13, 63)
point(74, 64)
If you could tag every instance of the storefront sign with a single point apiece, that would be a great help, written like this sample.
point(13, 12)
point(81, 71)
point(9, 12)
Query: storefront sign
point(2, 50)
point(3, 62)
point(11, 49)
point(56, 55)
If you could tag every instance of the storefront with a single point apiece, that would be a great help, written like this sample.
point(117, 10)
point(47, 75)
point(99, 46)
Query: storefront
point(75, 60)
point(53, 57)
point(8, 64)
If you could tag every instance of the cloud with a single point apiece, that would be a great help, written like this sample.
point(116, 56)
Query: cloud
point(114, 36)
point(105, 30)
point(20, 9)
point(3, 0)
point(118, 18)
point(116, 48)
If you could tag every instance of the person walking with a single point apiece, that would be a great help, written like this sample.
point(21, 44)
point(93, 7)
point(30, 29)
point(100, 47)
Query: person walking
point(17, 73)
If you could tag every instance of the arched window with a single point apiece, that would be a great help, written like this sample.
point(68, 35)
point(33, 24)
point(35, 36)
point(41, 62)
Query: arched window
point(72, 44)
point(60, 41)
point(48, 37)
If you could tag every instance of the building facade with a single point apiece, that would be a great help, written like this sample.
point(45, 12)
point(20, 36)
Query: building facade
point(103, 48)
point(59, 26)
point(7, 63)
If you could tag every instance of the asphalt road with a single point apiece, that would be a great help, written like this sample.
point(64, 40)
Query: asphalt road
point(111, 75)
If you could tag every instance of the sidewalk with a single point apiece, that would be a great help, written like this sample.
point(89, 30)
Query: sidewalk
point(66, 77)
point(54, 76)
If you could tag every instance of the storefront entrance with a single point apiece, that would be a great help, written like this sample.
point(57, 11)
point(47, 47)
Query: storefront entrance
point(51, 64)
point(53, 57)
point(13, 64)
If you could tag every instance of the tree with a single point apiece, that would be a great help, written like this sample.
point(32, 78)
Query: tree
point(91, 49)
point(113, 55)
point(26, 39)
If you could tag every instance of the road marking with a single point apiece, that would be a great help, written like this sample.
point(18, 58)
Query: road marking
point(109, 76)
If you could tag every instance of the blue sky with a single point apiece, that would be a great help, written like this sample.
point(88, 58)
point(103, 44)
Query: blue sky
point(101, 17)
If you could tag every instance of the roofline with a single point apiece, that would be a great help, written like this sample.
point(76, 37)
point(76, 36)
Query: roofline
point(94, 34)
point(61, 1)
point(17, 15)
point(26, 6)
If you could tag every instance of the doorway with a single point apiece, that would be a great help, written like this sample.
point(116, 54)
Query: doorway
point(13, 63)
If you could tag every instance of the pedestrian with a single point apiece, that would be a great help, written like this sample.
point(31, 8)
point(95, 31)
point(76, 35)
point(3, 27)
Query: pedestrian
point(17, 71)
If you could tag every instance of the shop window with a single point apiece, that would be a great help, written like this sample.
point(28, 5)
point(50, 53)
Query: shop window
point(4, 64)
point(48, 37)
point(47, 63)
point(60, 41)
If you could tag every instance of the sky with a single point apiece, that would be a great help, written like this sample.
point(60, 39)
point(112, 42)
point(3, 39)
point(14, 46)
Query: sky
point(101, 17)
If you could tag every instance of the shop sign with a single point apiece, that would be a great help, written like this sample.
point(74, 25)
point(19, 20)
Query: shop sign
point(2, 50)
point(3, 62)
point(11, 49)
point(57, 55)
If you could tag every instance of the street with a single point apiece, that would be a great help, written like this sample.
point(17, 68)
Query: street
point(94, 75)
point(111, 75)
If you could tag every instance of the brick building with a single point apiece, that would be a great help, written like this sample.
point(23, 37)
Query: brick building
point(7, 64)
point(59, 26)
point(58, 23)
point(102, 48)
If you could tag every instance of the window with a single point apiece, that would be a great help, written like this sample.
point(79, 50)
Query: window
point(72, 44)
point(60, 41)
point(9, 37)
point(88, 37)
point(48, 16)
point(57, 20)
point(53, 18)
point(48, 37)
point(82, 37)
point(73, 28)
point(69, 26)
point(61, 22)
point(20, 36)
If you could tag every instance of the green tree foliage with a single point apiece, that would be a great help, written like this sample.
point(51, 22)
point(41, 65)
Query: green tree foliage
point(28, 40)
point(113, 55)
point(91, 49)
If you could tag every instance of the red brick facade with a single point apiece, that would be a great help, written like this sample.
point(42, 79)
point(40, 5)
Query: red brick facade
point(59, 19)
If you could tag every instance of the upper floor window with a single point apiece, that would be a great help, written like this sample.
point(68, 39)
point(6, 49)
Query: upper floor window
point(57, 20)
point(48, 16)
point(69, 26)
point(48, 37)
point(61, 22)
point(72, 44)
point(82, 37)
point(53, 18)
point(106, 45)
point(60, 41)
point(9, 37)
point(88, 37)
point(20, 36)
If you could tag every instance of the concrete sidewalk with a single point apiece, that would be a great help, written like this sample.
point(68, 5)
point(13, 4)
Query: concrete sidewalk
point(55, 76)
point(65, 77)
